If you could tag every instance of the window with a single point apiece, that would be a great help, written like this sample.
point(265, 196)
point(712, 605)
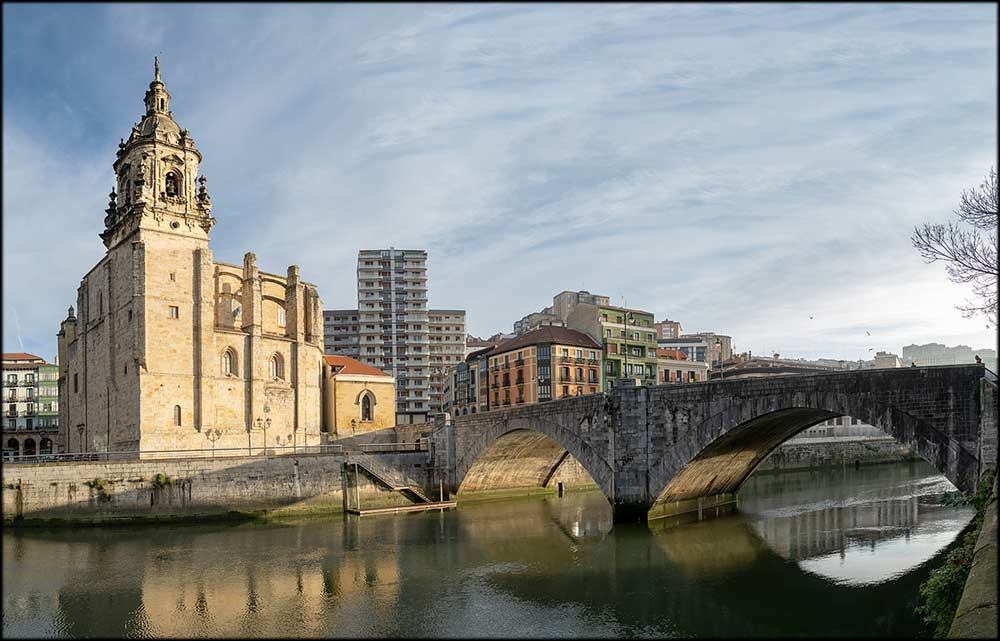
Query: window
point(579, 391)
point(691, 378)
point(277, 367)
point(229, 362)
point(565, 352)
point(607, 333)
point(366, 408)
point(542, 352)
point(565, 391)
point(281, 317)
point(174, 312)
point(177, 415)
point(593, 355)
point(76, 388)
point(564, 373)
point(579, 353)
point(609, 367)
point(173, 276)
point(612, 348)
point(579, 373)
point(592, 376)
point(544, 372)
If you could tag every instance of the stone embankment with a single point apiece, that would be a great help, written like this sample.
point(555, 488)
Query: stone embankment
point(190, 489)
point(837, 452)
point(976, 616)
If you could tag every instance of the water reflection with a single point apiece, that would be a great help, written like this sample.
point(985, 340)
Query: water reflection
point(839, 561)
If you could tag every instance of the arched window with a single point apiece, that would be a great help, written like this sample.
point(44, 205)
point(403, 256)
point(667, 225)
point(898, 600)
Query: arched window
point(177, 415)
point(277, 367)
point(229, 362)
point(46, 446)
point(171, 185)
point(366, 407)
point(14, 447)
point(29, 447)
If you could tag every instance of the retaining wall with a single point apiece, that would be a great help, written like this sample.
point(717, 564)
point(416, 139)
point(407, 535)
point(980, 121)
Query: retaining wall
point(53, 493)
point(976, 616)
point(792, 456)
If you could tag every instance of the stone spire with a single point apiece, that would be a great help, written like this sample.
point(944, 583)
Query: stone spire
point(157, 99)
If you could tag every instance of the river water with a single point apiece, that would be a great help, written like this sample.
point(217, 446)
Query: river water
point(817, 553)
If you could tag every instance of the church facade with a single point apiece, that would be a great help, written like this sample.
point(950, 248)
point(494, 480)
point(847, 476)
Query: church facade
point(167, 348)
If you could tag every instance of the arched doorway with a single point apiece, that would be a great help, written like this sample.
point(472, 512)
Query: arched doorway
point(45, 447)
point(12, 448)
point(29, 447)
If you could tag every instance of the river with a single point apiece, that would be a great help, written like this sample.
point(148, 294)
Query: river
point(815, 553)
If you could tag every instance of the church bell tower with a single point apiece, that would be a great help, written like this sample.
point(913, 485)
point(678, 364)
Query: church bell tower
point(157, 182)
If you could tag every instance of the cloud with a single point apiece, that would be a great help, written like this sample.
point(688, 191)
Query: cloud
point(737, 167)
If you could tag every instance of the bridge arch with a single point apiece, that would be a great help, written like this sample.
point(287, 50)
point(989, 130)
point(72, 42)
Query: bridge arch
point(720, 453)
point(492, 455)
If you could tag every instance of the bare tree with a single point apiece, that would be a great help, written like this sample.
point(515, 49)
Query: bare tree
point(970, 251)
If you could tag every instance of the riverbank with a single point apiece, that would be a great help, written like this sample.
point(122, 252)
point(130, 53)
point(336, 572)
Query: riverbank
point(171, 490)
point(976, 616)
point(835, 452)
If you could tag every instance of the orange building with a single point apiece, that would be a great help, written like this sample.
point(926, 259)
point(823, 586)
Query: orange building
point(541, 365)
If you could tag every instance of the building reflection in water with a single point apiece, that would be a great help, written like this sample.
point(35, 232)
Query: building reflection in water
point(508, 568)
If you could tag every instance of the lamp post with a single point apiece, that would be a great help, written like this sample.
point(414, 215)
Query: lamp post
point(262, 425)
point(213, 436)
point(628, 317)
point(354, 425)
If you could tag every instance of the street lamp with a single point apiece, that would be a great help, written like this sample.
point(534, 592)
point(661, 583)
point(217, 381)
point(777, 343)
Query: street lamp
point(213, 436)
point(262, 425)
point(722, 369)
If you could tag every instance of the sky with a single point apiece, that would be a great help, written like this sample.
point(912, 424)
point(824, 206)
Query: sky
point(752, 170)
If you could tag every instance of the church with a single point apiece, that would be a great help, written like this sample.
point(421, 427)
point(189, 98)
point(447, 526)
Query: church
point(169, 349)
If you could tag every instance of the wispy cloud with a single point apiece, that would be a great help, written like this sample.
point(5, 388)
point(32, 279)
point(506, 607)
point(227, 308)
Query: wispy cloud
point(737, 167)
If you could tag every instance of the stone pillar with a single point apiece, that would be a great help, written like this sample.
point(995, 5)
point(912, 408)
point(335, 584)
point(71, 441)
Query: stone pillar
point(252, 301)
point(629, 444)
point(205, 357)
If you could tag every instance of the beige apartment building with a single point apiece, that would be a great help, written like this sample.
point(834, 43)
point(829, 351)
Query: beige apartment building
point(169, 348)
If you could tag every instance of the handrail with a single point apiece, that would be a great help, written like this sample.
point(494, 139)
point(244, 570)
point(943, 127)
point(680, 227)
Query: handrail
point(991, 376)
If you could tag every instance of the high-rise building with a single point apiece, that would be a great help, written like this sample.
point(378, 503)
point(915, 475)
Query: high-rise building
point(447, 350)
point(391, 330)
point(31, 406)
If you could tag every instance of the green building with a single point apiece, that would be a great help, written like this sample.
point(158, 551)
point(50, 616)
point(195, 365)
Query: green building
point(627, 337)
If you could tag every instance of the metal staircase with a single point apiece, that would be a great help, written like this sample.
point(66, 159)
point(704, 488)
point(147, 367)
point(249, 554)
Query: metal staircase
point(393, 479)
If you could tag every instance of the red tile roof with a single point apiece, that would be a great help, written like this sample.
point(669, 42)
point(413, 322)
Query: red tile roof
point(350, 366)
point(21, 356)
point(674, 354)
point(547, 334)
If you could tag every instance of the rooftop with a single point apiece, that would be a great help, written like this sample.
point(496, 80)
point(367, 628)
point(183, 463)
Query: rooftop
point(547, 334)
point(351, 366)
point(22, 356)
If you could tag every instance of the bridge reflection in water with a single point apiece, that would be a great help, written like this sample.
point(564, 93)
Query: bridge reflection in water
point(511, 568)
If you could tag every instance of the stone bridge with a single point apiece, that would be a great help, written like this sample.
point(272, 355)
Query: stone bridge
point(649, 447)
